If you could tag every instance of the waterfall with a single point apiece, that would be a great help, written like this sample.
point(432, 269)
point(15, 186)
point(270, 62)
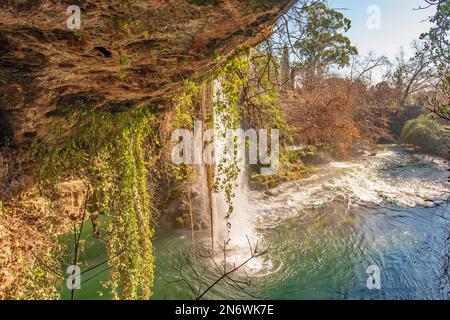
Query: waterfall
point(241, 227)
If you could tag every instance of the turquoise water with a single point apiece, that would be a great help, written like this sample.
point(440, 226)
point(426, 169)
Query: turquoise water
point(323, 232)
point(92, 254)
point(328, 260)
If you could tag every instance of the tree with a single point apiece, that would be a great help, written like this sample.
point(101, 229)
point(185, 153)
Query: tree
point(438, 103)
point(362, 67)
point(321, 42)
point(412, 76)
point(323, 115)
point(437, 44)
point(437, 37)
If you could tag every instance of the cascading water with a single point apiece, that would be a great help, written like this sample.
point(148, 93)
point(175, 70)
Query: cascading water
point(237, 228)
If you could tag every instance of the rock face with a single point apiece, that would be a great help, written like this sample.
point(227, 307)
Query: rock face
point(126, 53)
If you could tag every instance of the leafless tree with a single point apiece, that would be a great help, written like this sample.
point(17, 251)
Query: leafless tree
point(223, 271)
point(361, 68)
point(411, 76)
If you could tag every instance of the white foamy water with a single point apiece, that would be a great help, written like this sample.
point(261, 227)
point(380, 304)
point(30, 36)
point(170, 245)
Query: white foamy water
point(393, 177)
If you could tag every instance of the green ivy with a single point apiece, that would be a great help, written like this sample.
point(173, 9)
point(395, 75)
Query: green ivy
point(107, 151)
point(230, 82)
point(226, 109)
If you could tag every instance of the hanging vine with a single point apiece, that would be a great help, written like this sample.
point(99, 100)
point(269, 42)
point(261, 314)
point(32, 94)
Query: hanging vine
point(224, 117)
point(108, 152)
point(228, 87)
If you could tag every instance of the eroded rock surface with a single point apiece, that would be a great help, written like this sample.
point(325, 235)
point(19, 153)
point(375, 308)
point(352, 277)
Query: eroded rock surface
point(126, 53)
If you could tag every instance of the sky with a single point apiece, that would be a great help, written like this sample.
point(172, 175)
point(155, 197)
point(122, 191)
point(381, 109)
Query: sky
point(399, 24)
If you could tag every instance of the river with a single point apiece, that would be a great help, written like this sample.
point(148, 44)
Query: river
point(388, 211)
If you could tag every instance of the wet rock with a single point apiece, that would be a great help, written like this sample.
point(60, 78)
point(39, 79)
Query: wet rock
point(273, 193)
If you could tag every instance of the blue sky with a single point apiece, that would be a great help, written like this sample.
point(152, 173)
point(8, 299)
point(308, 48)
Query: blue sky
point(400, 24)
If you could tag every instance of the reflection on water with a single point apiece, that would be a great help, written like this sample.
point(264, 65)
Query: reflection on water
point(326, 230)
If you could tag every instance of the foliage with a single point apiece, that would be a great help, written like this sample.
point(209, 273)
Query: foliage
point(438, 102)
point(373, 110)
point(108, 152)
point(292, 168)
point(321, 42)
point(183, 118)
point(261, 101)
point(184, 105)
point(28, 248)
point(437, 45)
point(126, 64)
point(226, 113)
point(437, 36)
point(324, 115)
point(426, 133)
point(338, 113)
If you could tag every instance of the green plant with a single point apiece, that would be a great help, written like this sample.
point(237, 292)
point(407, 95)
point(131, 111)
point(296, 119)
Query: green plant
point(426, 133)
point(107, 151)
point(226, 111)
